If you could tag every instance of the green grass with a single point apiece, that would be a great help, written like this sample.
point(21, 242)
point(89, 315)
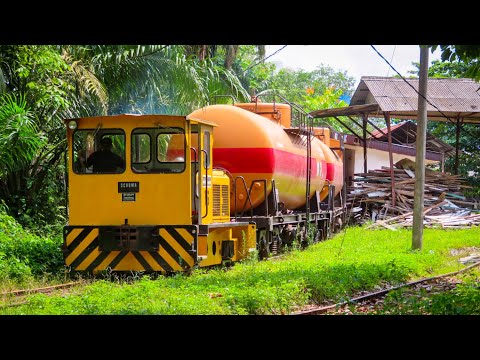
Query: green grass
point(462, 300)
point(335, 270)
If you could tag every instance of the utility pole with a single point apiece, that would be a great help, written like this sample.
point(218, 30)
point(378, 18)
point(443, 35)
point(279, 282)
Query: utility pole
point(417, 233)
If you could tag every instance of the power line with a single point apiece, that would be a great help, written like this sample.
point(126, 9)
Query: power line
point(263, 60)
point(428, 101)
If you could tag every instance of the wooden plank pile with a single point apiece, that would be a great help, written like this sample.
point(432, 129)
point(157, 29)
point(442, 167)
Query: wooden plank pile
point(370, 198)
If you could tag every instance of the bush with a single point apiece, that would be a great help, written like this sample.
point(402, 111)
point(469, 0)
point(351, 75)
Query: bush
point(23, 254)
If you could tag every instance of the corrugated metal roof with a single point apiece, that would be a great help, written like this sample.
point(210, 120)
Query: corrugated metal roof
point(450, 96)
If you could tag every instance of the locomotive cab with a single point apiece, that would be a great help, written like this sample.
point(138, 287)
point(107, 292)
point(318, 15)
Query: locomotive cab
point(162, 210)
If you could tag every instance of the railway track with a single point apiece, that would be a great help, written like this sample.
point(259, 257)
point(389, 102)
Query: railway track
point(374, 297)
point(19, 294)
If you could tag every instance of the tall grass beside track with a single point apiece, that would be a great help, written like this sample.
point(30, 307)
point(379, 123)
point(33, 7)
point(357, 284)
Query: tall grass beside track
point(331, 271)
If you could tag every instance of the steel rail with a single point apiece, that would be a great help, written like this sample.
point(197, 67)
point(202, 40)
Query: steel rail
point(376, 294)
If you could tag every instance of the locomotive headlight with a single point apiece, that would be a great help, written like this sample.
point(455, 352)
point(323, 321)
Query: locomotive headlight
point(72, 124)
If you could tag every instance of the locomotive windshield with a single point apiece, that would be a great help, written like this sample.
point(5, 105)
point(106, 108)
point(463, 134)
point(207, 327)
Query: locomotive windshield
point(158, 150)
point(99, 152)
point(153, 150)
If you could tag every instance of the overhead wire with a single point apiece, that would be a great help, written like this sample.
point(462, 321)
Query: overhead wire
point(263, 60)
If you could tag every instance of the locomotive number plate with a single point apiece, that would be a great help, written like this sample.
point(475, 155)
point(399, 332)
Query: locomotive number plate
point(128, 186)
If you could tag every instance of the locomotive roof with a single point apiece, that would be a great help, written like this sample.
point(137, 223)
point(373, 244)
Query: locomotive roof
point(182, 117)
point(123, 115)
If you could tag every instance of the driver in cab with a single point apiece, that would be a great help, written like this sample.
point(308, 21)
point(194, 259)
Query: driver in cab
point(105, 160)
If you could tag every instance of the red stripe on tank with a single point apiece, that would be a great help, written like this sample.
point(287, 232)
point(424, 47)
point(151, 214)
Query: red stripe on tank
point(261, 160)
point(330, 171)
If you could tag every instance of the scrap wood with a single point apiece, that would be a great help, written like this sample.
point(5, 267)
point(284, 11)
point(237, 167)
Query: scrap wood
point(384, 222)
point(462, 202)
point(373, 192)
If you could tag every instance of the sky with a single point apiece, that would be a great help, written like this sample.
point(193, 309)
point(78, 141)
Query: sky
point(356, 60)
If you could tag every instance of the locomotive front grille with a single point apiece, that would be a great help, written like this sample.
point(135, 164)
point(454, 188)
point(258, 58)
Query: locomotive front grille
point(127, 238)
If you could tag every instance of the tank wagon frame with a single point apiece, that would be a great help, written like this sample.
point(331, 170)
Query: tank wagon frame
point(277, 227)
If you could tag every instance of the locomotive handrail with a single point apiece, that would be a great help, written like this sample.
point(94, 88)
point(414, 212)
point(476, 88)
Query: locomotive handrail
point(206, 182)
point(246, 191)
point(194, 178)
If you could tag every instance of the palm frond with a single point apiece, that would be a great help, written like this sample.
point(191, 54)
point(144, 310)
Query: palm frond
point(87, 82)
point(155, 78)
point(19, 136)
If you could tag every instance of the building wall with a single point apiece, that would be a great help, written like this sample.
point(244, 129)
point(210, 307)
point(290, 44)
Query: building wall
point(376, 159)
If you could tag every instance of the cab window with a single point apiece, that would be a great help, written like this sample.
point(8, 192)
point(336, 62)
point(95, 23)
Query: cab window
point(99, 152)
point(158, 150)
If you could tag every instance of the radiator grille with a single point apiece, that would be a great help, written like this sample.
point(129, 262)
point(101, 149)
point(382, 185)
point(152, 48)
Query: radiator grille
point(216, 200)
point(225, 199)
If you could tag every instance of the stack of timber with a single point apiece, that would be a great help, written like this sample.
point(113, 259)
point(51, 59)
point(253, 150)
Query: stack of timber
point(370, 198)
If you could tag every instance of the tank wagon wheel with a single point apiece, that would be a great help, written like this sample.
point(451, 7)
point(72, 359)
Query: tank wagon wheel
point(288, 236)
point(317, 235)
point(302, 237)
point(263, 244)
point(277, 242)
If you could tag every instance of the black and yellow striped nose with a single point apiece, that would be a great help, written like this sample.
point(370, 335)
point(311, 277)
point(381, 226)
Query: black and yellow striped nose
point(143, 248)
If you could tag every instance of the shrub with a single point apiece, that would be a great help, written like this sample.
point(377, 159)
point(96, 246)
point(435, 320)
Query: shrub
point(23, 254)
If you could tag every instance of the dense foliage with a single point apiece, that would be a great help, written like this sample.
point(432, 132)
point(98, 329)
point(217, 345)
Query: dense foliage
point(24, 255)
point(466, 54)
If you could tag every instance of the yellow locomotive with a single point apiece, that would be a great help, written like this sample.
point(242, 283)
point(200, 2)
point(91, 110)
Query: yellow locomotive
point(168, 205)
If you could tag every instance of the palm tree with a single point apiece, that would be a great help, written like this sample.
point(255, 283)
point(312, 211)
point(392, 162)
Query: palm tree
point(154, 78)
point(45, 84)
